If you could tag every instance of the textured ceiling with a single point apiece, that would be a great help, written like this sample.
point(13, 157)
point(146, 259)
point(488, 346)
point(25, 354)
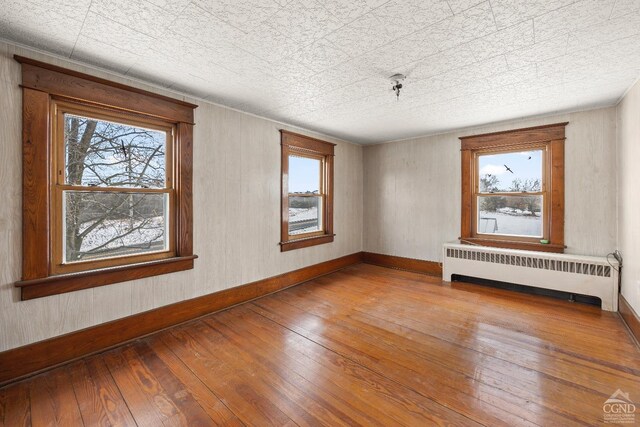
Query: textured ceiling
point(325, 64)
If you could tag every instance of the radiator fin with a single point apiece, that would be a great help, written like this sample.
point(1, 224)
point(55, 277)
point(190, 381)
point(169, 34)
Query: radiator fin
point(591, 269)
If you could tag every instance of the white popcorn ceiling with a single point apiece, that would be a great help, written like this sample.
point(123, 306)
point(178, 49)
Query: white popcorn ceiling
point(324, 65)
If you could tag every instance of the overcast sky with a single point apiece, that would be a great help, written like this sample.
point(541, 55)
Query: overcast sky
point(304, 174)
point(522, 166)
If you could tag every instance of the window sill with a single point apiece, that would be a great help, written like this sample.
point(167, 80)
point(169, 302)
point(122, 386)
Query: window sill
point(305, 242)
point(63, 283)
point(513, 244)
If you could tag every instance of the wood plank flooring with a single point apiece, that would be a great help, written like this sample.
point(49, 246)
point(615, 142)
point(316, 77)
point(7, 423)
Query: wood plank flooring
point(363, 346)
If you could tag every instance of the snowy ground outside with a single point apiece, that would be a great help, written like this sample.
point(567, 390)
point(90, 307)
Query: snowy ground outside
point(134, 237)
point(516, 223)
point(303, 220)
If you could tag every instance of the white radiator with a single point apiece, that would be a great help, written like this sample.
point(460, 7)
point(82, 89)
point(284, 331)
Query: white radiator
point(576, 274)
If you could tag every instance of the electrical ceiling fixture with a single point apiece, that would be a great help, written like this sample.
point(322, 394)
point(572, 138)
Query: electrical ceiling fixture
point(396, 80)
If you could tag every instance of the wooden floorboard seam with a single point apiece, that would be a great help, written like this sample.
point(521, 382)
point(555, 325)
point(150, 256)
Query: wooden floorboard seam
point(404, 385)
point(354, 361)
point(189, 368)
point(365, 345)
point(370, 314)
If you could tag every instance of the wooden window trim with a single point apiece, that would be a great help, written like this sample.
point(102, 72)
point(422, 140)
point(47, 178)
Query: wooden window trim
point(44, 85)
point(551, 138)
point(294, 143)
point(58, 109)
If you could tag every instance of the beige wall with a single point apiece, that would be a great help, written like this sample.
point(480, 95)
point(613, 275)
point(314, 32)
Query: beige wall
point(412, 188)
point(410, 191)
point(629, 194)
point(236, 226)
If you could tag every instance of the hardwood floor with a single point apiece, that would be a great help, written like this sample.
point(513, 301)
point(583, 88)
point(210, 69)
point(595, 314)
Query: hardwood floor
point(366, 345)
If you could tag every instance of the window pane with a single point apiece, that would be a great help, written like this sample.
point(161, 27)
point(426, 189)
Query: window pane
point(304, 214)
point(103, 224)
point(108, 154)
point(516, 171)
point(510, 215)
point(304, 175)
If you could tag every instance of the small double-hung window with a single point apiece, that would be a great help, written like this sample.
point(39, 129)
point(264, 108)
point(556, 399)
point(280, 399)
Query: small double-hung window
point(307, 191)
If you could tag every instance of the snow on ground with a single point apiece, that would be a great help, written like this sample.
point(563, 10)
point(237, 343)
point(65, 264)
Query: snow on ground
point(303, 215)
point(519, 224)
point(152, 232)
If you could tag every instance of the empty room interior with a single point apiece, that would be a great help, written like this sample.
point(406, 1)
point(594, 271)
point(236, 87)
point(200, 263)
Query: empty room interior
point(319, 212)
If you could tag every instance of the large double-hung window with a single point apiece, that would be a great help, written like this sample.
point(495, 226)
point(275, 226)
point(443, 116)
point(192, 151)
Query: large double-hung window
point(513, 188)
point(113, 198)
point(107, 182)
point(511, 193)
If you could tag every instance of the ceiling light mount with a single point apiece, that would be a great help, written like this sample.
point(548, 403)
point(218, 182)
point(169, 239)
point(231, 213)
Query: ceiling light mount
point(396, 81)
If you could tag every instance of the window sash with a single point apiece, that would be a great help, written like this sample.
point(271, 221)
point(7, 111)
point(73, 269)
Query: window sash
point(322, 215)
point(166, 199)
point(113, 189)
point(499, 236)
point(295, 152)
point(60, 108)
point(512, 194)
point(515, 149)
point(544, 215)
point(59, 186)
point(476, 193)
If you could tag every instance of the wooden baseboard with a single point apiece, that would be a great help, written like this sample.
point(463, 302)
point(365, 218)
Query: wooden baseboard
point(630, 317)
point(401, 263)
point(21, 362)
